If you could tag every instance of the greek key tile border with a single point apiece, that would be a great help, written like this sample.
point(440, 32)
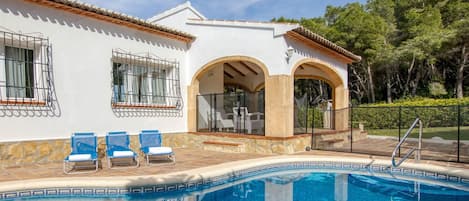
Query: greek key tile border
point(229, 177)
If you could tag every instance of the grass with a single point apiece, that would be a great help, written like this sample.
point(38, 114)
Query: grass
point(447, 133)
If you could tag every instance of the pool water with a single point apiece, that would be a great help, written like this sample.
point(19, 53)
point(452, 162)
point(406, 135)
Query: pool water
point(306, 186)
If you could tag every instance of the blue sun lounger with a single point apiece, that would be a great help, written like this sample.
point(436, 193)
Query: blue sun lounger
point(150, 145)
point(84, 150)
point(118, 147)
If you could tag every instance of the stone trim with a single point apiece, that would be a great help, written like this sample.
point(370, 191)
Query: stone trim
point(47, 151)
point(222, 143)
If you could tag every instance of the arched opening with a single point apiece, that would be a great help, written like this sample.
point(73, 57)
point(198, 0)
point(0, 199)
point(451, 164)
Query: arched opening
point(228, 96)
point(313, 102)
point(320, 98)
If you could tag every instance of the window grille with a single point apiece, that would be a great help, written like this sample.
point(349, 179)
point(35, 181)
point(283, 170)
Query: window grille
point(24, 70)
point(144, 82)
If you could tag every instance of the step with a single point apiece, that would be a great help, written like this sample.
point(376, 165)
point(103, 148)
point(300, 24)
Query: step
point(220, 146)
point(222, 143)
point(331, 141)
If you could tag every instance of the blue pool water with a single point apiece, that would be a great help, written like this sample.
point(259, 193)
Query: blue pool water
point(303, 186)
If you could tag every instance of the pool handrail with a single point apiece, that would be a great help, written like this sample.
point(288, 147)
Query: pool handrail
point(418, 149)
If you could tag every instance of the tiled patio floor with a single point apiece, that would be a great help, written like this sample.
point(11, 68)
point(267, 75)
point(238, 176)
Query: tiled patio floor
point(430, 150)
point(186, 159)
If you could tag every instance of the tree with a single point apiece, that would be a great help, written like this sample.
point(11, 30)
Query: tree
point(424, 37)
point(386, 52)
point(416, 47)
point(363, 33)
point(456, 19)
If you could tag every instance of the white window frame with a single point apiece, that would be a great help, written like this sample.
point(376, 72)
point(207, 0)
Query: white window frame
point(132, 97)
point(39, 76)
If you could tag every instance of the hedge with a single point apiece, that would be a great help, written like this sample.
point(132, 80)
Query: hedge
point(432, 112)
point(388, 117)
point(420, 101)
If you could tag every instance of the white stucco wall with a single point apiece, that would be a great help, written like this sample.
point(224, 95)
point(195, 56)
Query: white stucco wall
point(301, 51)
point(262, 41)
point(82, 51)
point(81, 59)
point(176, 17)
point(214, 42)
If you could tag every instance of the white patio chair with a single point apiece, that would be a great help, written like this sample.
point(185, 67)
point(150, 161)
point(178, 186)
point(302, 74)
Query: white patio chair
point(245, 120)
point(222, 121)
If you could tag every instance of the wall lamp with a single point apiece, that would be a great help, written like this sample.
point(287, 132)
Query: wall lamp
point(289, 53)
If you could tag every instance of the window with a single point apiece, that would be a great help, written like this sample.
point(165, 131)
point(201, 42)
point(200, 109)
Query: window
point(19, 72)
point(25, 70)
point(144, 81)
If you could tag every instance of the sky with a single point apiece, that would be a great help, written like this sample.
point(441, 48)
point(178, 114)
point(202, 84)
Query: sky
point(259, 10)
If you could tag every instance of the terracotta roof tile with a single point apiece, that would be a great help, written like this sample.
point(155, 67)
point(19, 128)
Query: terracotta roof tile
point(326, 43)
point(118, 16)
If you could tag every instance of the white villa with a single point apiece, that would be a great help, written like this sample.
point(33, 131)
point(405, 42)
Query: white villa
point(69, 67)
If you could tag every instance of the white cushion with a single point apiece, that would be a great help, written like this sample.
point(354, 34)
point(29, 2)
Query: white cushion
point(79, 157)
point(122, 153)
point(160, 150)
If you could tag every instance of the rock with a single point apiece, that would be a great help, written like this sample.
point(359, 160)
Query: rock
point(278, 148)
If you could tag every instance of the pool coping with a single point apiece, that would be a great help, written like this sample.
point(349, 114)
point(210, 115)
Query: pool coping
point(216, 174)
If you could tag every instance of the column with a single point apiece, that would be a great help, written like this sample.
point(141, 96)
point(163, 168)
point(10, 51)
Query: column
point(341, 103)
point(279, 106)
point(278, 192)
point(341, 187)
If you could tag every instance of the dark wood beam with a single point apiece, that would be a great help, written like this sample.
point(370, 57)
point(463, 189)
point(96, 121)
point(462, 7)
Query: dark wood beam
point(248, 67)
point(236, 70)
point(228, 74)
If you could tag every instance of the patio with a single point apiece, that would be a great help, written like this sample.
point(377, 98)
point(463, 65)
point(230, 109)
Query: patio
point(186, 159)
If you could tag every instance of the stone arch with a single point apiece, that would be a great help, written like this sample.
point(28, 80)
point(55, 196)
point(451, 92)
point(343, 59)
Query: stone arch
point(211, 64)
point(340, 96)
point(193, 88)
point(334, 78)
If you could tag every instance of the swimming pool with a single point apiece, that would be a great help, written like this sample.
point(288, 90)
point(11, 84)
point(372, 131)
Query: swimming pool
point(272, 180)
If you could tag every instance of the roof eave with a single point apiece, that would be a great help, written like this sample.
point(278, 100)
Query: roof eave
point(114, 17)
point(319, 40)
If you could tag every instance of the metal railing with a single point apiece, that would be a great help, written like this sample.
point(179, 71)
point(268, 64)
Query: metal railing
point(145, 82)
point(231, 113)
point(418, 149)
point(377, 131)
point(26, 73)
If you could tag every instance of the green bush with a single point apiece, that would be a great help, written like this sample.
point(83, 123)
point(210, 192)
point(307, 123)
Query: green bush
point(437, 89)
point(419, 101)
point(303, 118)
point(432, 112)
point(388, 117)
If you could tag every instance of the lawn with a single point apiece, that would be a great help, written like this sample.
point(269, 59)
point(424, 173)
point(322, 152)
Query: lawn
point(447, 133)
